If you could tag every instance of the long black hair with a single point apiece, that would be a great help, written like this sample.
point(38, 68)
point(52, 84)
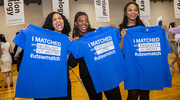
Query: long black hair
point(48, 23)
point(172, 24)
point(2, 38)
point(125, 19)
point(75, 29)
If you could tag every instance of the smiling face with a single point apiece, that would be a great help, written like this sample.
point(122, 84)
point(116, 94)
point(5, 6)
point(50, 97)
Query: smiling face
point(132, 12)
point(58, 22)
point(82, 24)
point(175, 25)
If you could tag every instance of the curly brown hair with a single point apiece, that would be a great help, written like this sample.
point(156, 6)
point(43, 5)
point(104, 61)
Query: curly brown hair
point(48, 23)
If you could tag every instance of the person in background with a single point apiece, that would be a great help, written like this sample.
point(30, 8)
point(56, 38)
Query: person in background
point(0, 57)
point(18, 55)
point(0, 50)
point(175, 30)
point(173, 46)
point(6, 58)
point(82, 27)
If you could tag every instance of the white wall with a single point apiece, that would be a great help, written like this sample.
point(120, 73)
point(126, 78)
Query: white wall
point(116, 11)
point(36, 14)
point(164, 9)
point(33, 15)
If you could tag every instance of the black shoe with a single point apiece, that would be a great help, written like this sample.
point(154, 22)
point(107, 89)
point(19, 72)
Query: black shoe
point(6, 86)
point(11, 84)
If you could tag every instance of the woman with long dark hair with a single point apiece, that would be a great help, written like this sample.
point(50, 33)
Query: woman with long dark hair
point(58, 22)
point(49, 71)
point(52, 20)
point(131, 19)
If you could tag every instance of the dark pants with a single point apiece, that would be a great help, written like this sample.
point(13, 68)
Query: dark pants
point(113, 94)
point(19, 63)
point(135, 93)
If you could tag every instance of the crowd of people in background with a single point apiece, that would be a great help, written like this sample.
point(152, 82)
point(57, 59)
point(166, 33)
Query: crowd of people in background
point(58, 23)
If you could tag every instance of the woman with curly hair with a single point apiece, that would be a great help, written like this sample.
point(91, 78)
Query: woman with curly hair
point(58, 22)
point(51, 73)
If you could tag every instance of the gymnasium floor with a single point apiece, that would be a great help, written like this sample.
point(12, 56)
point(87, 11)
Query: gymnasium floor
point(79, 93)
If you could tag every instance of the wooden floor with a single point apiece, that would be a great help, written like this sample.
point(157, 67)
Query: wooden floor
point(79, 93)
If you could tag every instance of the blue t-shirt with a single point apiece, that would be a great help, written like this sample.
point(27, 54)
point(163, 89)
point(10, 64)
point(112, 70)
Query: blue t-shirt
point(103, 57)
point(146, 50)
point(43, 72)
